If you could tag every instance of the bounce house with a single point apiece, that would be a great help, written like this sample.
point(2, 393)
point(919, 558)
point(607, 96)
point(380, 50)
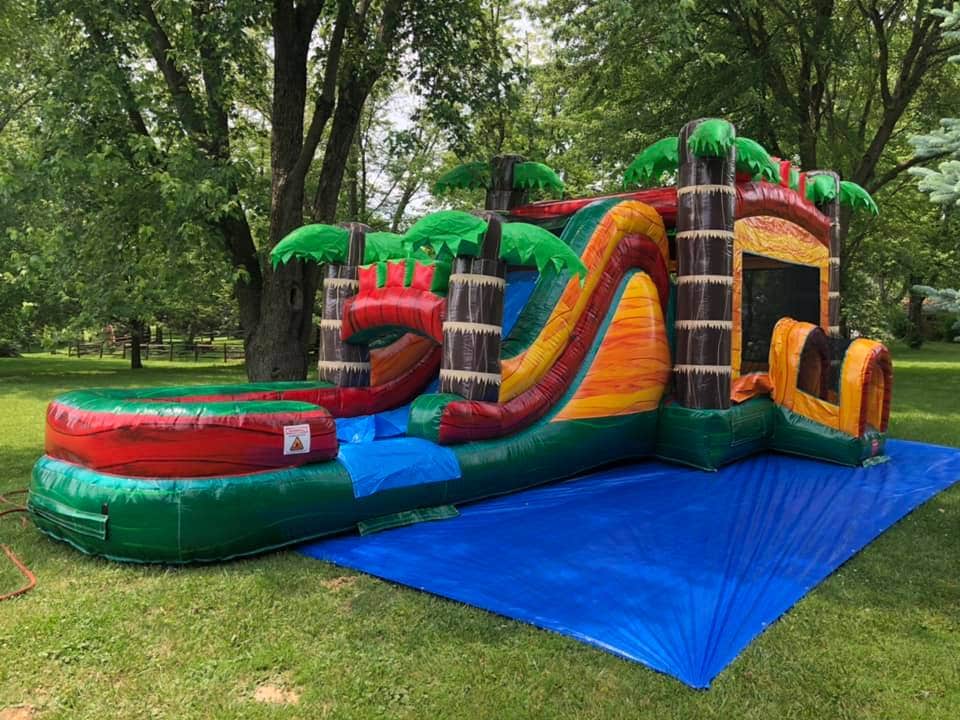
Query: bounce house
point(479, 354)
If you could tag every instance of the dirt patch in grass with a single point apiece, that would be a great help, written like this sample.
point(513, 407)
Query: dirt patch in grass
point(274, 695)
point(338, 583)
point(21, 712)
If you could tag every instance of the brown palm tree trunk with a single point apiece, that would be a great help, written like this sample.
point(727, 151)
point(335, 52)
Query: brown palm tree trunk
point(501, 195)
point(832, 210)
point(706, 198)
point(474, 324)
point(341, 363)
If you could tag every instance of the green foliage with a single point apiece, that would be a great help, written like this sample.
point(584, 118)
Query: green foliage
point(530, 175)
point(854, 197)
point(821, 188)
point(942, 184)
point(653, 162)
point(939, 299)
point(752, 158)
point(469, 176)
point(317, 242)
point(526, 244)
point(712, 138)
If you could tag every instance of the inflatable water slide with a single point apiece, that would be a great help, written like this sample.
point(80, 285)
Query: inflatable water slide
point(479, 354)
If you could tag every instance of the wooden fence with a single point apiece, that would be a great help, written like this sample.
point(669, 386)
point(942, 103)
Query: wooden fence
point(183, 351)
point(225, 351)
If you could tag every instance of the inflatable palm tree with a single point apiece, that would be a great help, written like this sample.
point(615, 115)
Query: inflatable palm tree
point(481, 247)
point(506, 178)
point(663, 156)
point(478, 248)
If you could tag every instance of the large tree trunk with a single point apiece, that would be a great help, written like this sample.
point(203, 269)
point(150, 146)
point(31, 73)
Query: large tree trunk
point(276, 349)
point(137, 329)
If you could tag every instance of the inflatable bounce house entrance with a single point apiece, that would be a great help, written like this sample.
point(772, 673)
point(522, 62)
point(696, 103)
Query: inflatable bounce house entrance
point(479, 354)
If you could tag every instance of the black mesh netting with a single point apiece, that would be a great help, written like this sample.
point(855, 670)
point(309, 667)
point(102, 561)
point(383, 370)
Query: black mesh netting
point(772, 290)
point(838, 348)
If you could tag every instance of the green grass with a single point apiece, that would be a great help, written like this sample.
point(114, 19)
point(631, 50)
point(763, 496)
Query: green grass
point(879, 639)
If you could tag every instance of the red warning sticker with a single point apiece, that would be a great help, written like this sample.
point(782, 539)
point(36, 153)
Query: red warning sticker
point(296, 439)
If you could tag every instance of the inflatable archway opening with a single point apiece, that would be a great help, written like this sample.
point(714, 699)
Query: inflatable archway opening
point(800, 362)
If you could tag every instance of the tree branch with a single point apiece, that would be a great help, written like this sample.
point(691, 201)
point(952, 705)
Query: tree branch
point(11, 112)
point(896, 170)
point(324, 104)
point(211, 72)
point(177, 83)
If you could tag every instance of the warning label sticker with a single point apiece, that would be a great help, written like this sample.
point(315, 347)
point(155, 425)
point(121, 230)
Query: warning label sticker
point(296, 439)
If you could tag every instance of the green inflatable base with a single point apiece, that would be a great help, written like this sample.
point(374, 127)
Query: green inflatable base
point(212, 519)
point(798, 435)
point(709, 439)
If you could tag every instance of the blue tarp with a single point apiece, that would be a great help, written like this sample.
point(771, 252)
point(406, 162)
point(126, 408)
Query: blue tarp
point(367, 428)
point(671, 567)
point(397, 462)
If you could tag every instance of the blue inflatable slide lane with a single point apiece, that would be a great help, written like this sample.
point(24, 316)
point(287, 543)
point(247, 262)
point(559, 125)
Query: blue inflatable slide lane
point(673, 568)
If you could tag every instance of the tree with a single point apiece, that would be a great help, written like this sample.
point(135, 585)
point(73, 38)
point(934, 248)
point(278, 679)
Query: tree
point(217, 86)
point(943, 184)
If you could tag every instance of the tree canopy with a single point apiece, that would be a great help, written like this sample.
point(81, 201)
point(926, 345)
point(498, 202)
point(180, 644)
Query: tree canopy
point(153, 154)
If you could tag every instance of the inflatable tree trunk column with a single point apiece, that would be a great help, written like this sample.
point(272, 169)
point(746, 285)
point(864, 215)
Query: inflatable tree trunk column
point(706, 199)
point(501, 195)
point(472, 330)
point(832, 210)
point(341, 363)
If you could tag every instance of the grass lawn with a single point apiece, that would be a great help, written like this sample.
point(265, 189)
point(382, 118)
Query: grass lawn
point(879, 639)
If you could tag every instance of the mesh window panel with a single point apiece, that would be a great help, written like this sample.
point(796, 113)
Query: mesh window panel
point(838, 348)
point(772, 290)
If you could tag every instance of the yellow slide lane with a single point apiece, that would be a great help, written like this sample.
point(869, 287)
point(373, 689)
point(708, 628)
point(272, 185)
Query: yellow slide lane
point(523, 371)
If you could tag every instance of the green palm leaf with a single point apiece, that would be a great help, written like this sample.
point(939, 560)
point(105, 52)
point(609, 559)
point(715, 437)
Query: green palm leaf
point(752, 158)
point(450, 232)
point(656, 159)
point(467, 176)
point(521, 243)
point(794, 179)
point(529, 175)
point(319, 243)
point(383, 246)
point(712, 138)
point(854, 196)
point(821, 189)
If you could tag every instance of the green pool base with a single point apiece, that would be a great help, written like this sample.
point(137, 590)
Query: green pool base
point(188, 520)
